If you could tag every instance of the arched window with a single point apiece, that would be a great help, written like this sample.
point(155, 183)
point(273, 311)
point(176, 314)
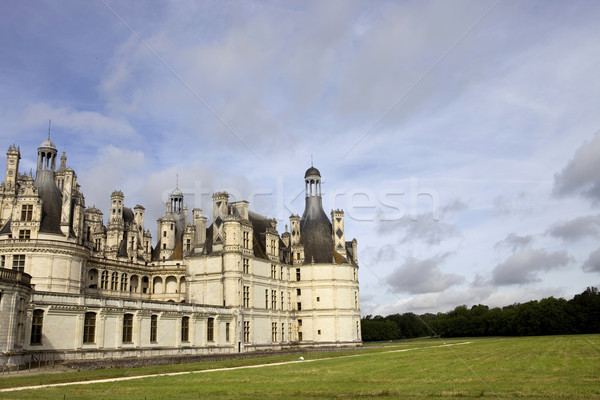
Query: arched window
point(114, 282)
point(104, 280)
point(124, 282)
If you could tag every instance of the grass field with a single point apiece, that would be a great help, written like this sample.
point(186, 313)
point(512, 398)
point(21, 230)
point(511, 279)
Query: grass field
point(550, 367)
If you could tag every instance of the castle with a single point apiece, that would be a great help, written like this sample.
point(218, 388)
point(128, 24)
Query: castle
point(75, 288)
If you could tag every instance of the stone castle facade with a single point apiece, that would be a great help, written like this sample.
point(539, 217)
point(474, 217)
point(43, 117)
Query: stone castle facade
point(74, 287)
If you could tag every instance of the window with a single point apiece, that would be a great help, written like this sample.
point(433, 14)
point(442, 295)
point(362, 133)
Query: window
point(246, 264)
point(104, 280)
point(282, 332)
point(114, 282)
point(355, 274)
point(89, 327)
point(25, 234)
point(185, 329)
point(164, 233)
point(273, 331)
point(26, 212)
point(299, 306)
point(319, 332)
point(355, 300)
point(227, 331)
point(281, 273)
point(188, 244)
point(246, 331)
point(246, 299)
point(123, 282)
point(153, 328)
point(274, 299)
point(21, 322)
point(273, 271)
point(297, 274)
point(164, 248)
point(210, 330)
point(246, 240)
point(19, 262)
point(3, 261)
point(282, 301)
point(300, 330)
point(36, 326)
point(266, 298)
point(171, 226)
point(318, 299)
point(127, 328)
point(298, 292)
point(98, 243)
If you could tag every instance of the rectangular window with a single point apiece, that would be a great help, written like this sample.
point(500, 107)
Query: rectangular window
point(281, 273)
point(298, 292)
point(153, 328)
point(246, 240)
point(282, 332)
point(3, 261)
point(246, 299)
point(127, 328)
point(274, 271)
point(227, 331)
point(188, 244)
point(273, 332)
point(266, 298)
point(299, 306)
point(19, 262)
point(246, 331)
point(355, 300)
point(246, 263)
point(185, 329)
point(89, 327)
point(24, 234)
point(97, 245)
point(26, 212)
point(210, 330)
point(274, 299)
point(282, 301)
point(36, 326)
point(300, 330)
point(21, 323)
point(164, 233)
point(297, 274)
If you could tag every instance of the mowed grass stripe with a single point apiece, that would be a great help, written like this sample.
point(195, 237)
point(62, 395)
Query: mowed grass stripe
point(128, 378)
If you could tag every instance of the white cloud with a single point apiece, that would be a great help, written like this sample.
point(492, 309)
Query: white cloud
point(580, 175)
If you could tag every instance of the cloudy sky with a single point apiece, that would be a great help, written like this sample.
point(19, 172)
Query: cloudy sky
point(460, 137)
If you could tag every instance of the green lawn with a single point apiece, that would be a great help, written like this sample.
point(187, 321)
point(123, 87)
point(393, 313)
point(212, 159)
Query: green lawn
point(550, 367)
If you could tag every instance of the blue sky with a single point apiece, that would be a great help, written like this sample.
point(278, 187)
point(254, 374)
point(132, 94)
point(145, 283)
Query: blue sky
point(460, 137)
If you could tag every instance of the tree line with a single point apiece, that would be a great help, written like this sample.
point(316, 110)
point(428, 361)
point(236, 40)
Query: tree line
point(549, 316)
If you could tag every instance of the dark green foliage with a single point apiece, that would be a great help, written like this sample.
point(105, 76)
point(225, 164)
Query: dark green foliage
point(549, 316)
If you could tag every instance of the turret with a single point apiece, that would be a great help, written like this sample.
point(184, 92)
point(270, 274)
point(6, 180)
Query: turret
point(116, 206)
point(13, 155)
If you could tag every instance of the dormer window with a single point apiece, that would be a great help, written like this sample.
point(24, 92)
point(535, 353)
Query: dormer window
point(26, 212)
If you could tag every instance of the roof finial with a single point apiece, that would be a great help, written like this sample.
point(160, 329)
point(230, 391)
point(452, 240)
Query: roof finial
point(311, 160)
point(49, 124)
